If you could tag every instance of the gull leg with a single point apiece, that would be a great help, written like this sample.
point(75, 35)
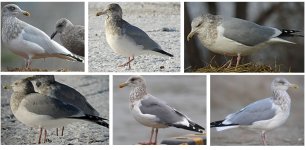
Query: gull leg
point(230, 63)
point(238, 60)
point(263, 138)
point(151, 136)
point(39, 137)
point(45, 139)
point(127, 63)
point(56, 131)
point(156, 132)
point(28, 63)
point(62, 131)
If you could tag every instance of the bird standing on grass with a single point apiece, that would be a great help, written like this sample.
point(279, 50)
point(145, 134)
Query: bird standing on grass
point(235, 37)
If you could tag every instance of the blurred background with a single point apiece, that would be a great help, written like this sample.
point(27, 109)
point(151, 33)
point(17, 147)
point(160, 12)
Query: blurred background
point(231, 93)
point(94, 88)
point(44, 15)
point(187, 94)
point(279, 15)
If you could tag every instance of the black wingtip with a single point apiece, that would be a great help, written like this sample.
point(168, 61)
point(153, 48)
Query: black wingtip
point(76, 58)
point(98, 120)
point(220, 124)
point(192, 127)
point(216, 123)
point(163, 52)
point(289, 33)
point(95, 119)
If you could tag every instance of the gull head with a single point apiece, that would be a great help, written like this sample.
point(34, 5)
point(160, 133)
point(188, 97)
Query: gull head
point(23, 85)
point(13, 10)
point(39, 80)
point(196, 24)
point(282, 84)
point(111, 10)
point(133, 81)
point(60, 25)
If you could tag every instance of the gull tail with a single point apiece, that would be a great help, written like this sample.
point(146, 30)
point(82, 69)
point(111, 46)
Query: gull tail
point(191, 127)
point(220, 126)
point(290, 33)
point(95, 119)
point(162, 52)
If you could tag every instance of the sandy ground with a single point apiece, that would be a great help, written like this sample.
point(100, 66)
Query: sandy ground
point(43, 20)
point(150, 17)
point(94, 88)
point(185, 93)
point(231, 93)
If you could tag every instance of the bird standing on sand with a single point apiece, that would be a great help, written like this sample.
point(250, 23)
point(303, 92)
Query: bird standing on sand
point(126, 39)
point(28, 41)
point(44, 112)
point(47, 85)
point(265, 115)
point(152, 112)
point(235, 37)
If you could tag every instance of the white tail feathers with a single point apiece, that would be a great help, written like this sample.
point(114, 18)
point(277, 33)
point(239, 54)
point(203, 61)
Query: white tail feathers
point(226, 127)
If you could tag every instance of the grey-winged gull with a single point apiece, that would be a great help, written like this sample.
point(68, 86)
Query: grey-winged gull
point(235, 37)
point(126, 39)
point(47, 85)
point(153, 112)
point(44, 112)
point(28, 41)
point(71, 36)
point(265, 114)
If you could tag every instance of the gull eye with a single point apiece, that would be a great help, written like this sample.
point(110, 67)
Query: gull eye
point(12, 8)
point(199, 24)
point(281, 82)
point(59, 26)
point(133, 79)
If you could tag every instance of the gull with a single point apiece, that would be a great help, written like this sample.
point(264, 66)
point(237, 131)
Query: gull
point(265, 115)
point(71, 36)
point(153, 112)
point(44, 112)
point(28, 41)
point(46, 85)
point(235, 37)
point(126, 39)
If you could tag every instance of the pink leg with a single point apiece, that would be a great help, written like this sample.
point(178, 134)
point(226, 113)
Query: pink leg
point(151, 137)
point(62, 131)
point(156, 132)
point(127, 63)
point(45, 139)
point(39, 137)
point(238, 60)
point(263, 138)
point(28, 63)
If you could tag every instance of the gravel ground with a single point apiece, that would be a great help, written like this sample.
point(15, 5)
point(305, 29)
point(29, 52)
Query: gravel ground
point(187, 94)
point(94, 88)
point(150, 17)
point(231, 93)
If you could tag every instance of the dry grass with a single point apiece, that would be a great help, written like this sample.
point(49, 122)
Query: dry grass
point(248, 67)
